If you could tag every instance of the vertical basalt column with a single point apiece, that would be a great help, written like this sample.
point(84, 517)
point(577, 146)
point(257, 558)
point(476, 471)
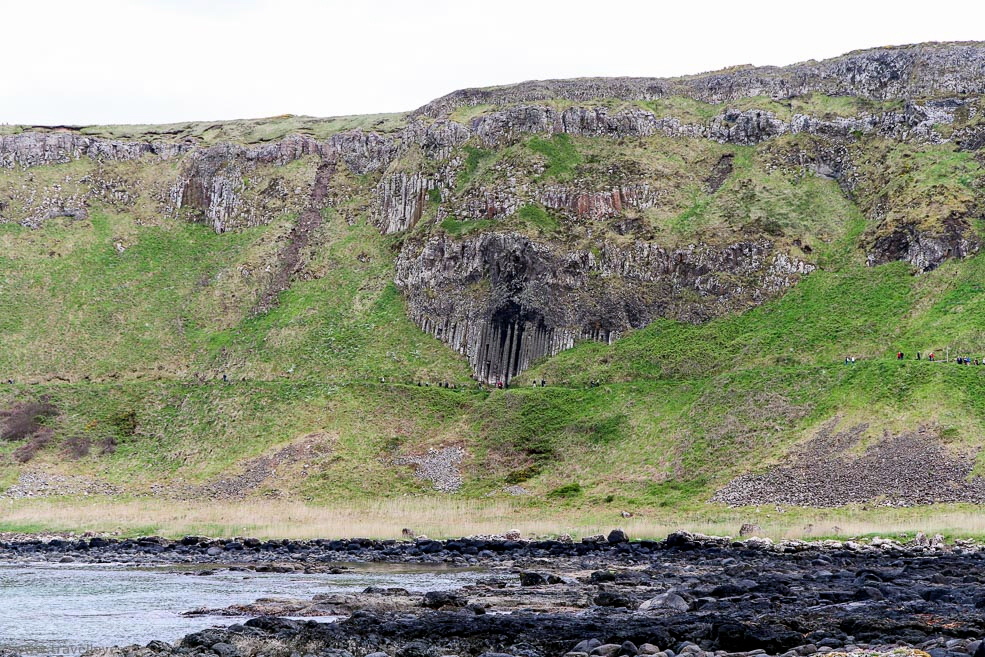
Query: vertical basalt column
point(507, 344)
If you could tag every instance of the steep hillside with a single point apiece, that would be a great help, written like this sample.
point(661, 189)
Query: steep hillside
point(666, 276)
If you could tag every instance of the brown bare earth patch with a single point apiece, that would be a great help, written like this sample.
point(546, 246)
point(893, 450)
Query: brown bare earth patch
point(253, 475)
point(903, 469)
point(256, 472)
point(25, 419)
point(290, 259)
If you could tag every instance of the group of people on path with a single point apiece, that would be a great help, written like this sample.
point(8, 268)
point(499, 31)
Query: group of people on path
point(960, 360)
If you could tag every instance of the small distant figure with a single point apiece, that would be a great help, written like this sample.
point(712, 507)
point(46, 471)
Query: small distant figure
point(899, 355)
point(918, 355)
point(930, 357)
point(853, 360)
point(499, 384)
point(543, 383)
point(848, 360)
point(225, 379)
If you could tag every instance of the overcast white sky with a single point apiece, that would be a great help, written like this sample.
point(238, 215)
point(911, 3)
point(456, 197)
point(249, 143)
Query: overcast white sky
point(156, 61)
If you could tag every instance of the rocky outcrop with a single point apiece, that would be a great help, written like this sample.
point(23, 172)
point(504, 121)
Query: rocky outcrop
point(597, 205)
point(216, 185)
point(505, 300)
point(400, 200)
point(214, 181)
point(509, 124)
point(437, 138)
point(925, 250)
point(31, 149)
point(901, 72)
point(211, 184)
point(362, 152)
point(915, 122)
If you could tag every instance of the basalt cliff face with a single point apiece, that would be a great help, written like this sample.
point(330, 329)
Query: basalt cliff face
point(526, 218)
point(505, 300)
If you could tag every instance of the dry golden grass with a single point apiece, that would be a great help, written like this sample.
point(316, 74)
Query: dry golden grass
point(444, 518)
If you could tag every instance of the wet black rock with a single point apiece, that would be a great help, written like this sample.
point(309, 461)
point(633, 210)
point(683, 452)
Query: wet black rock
point(690, 593)
point(529, 578)
point(443, 599)
point(611, 599)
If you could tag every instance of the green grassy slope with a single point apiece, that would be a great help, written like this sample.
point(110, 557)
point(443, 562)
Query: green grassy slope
point(127, 327)
point(679, 411)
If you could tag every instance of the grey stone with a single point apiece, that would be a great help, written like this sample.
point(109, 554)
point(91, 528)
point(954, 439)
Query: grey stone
point(668, 600)
point(605, 650)
point(225, 649)
point(586, 645)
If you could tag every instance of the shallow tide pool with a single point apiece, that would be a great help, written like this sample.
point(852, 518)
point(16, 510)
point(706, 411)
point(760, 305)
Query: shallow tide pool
point(65, 609)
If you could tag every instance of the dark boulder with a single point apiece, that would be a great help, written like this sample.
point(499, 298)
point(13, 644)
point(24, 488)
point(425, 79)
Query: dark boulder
point(442, 599)
point(617, 536)
point(611, 599)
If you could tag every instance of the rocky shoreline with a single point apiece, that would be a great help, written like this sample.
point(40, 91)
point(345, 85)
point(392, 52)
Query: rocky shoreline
point(688, 595)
